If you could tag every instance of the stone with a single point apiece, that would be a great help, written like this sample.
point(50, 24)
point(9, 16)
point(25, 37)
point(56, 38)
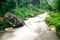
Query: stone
point(13, 20)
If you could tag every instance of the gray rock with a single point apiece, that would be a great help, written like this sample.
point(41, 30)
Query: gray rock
point(13, 20)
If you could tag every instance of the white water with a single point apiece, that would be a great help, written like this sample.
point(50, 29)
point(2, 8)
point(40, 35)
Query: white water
point(34, 29)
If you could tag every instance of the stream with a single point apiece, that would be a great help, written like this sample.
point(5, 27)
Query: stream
point(35, 28)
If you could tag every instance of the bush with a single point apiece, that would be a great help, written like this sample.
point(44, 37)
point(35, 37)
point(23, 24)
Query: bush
point(25, 12)
point(54, 20)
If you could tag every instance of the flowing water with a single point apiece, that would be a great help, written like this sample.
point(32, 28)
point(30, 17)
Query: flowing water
point(34, 29)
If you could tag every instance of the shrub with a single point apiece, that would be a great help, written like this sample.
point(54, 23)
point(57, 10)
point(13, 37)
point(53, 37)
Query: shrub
point(54, 20)
point(25, 12)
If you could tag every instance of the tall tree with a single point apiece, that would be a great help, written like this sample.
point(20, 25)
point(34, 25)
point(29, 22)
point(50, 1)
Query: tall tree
point(2, 2)
point(36, 3)
point(44, 4)
point(6, 5)
point(58, 5)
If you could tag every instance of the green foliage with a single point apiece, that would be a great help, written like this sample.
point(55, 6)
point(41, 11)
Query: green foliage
point(58, 5)
point(25, 12)
point(6, 5)
point(54, 19)
point(45, 4)
point(3, 24)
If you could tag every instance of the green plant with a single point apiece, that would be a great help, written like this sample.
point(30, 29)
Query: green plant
point(25, 12)
point(54, 19)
